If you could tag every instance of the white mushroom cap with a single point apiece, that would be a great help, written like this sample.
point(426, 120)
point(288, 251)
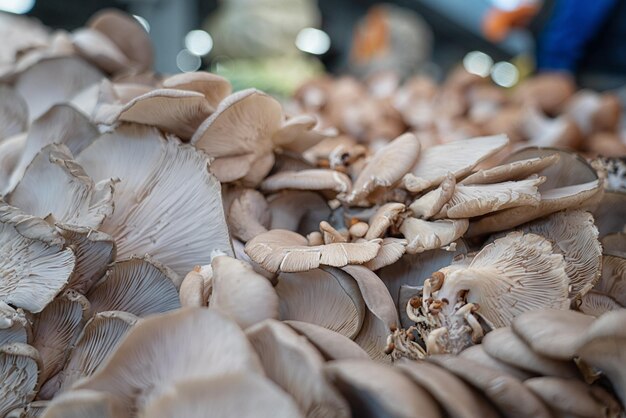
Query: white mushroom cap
point(241, 293)
point(222, 396)
point(19, 375)
point(14, 326)
point(478, 354)
point(196, 287)
point(299, 133)
point(458, 157)
point(35, 264)
point(296, 366)
point(516, 170)
point(11, 150)
point(597, 304)
point(151, 358)
point(299, 211)
point(391, 249)
point(513, 275)
point(97, 48)
point(13, 113)
point(613, 279)
point(137, 285)
point(332, 345)
point(425, 235)
point(329, 298)
point(428, 205)
point(384, 217)
point(85, 403)
point(214, 87)
point(383, 388)
point(179, 198)
point(386, 167)
point(314, 179)
point(282, 250)
point(248, 215)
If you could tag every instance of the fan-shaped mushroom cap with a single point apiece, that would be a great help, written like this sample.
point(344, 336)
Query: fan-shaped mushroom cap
point(214, 87)
point(336, 151)
point(196, 287)
point(13, 113)
point(508, 394)
point(72, 74)
point(241, 293)
point(513, 275)
point(458, 158)
point(298, 211)
point(478, 354)
point(381, 388)
point(610, 214)
point(288, 251)
point(516, 170)
point(97, 48)
point(391, 249)
point(98, 339)
point(381, 315)
point(329, 298)
point(19, 375)
point(94, 251)
point(428, 205)
point(504, 345)
point(69, 195)
point(597, 304)
point(178, 198)
point(613, 279)
point(248, 215)
point(454, 396)
point(473, 200)
point(294, 365)
point(552, 333)
point(386, 167)
point(56, 327)
point(384, 217)
point(542, 131)
point(127, 34)
point(567, 397)
point(299, 133)
point(84, 403)
point(34, 263)
point(603, 346)
point(20, 33)
point(222, 396)
point(571, 183)
point(151, 357)
point(240, 131)
point(614, 244)
point(138, 285)
point(314, 179)
point(11, 150)
point(14, 327)
point(425, 235)
point(332, 345)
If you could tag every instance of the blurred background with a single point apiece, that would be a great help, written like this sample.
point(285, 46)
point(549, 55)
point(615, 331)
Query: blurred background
point(276, 44)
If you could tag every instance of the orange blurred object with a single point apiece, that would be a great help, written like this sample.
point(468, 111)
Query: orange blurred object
point(497, 23)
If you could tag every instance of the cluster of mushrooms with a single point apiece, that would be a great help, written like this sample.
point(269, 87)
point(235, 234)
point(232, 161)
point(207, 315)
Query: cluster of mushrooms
point(545, 111)
point(172, 249)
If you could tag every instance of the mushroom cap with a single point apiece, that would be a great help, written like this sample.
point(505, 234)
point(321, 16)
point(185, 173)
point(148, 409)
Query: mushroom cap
point(382, 388)
point(19, 373)
point(551, 332)
point(151, 357)
point(516, 170)
point(282, 250)
point(508, 394)
point(221, 396)
point(298, 211)
point(14, 327)
point(429, 204)
point(386, 167)
point(56, 328)
point(329, 298)
point(478, 354)
point(84, 403)
point(241, 293)
point(34, 262)
point(296, 366)
point(178, 196)
point(299, 133)
point(611, 212)
point(391, 250)
point(613, 279)
point(97, 48)
point(137, 285)
point(11, 150)
point(597, 304)
point(214, 87)
point(426, 235)
point(504, 345)
point(248, 215)
point(13, 113)
point(127, 34)
point(314, 179)
point(457, 157)
point(455, 397)
point(614, 244)
point(512, 275)
point(242, 125)
point(331, 345)
point(383, 218)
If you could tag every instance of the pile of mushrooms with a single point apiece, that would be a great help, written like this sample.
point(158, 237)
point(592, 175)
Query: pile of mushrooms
point(167, 245)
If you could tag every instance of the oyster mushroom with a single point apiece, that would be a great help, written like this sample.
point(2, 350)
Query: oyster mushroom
point(458, 158)
point(19, 373)
point(382, 388)
point(84, 403)
point(248, 215)
point(14, 326)
point(596, 304)
point(426, 235)
point(391, 249)
point(296, 366)
point(288, 251)
point(35, 263)
point(298, 211)
point(10, 152)
point(385, 216)
point(516, 170)
point(543, 131)
point(428, 205)
point(478, 354)
point(300, 133)
point(196, 287)
point(13, 113)
point(613, 279)
point(214, 87)
point(176, 193)
point(331, 345)
point(314, 179)
point(137, 285)
point(98, 49)
point(239, 136)
point(221, 396)
point(610, 213)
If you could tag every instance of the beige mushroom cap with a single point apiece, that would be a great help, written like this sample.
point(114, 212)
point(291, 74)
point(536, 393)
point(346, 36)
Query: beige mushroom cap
point(222, 396)
point(85, 403)
point(299, 133)
point(214, 87)
point(478, 354)
point(613, 279)
point(428, 205)
point(391, 250)
point(426, 235)
point(331, 345)
point(516, 170)
point(597, 304)
point(248, 215)
point(314, 179)
point(384, 217)
point(13, 113)
point(97, 48)
point(19, 374)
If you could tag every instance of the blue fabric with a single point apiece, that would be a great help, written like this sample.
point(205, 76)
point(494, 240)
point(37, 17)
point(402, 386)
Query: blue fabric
point(573, 24)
